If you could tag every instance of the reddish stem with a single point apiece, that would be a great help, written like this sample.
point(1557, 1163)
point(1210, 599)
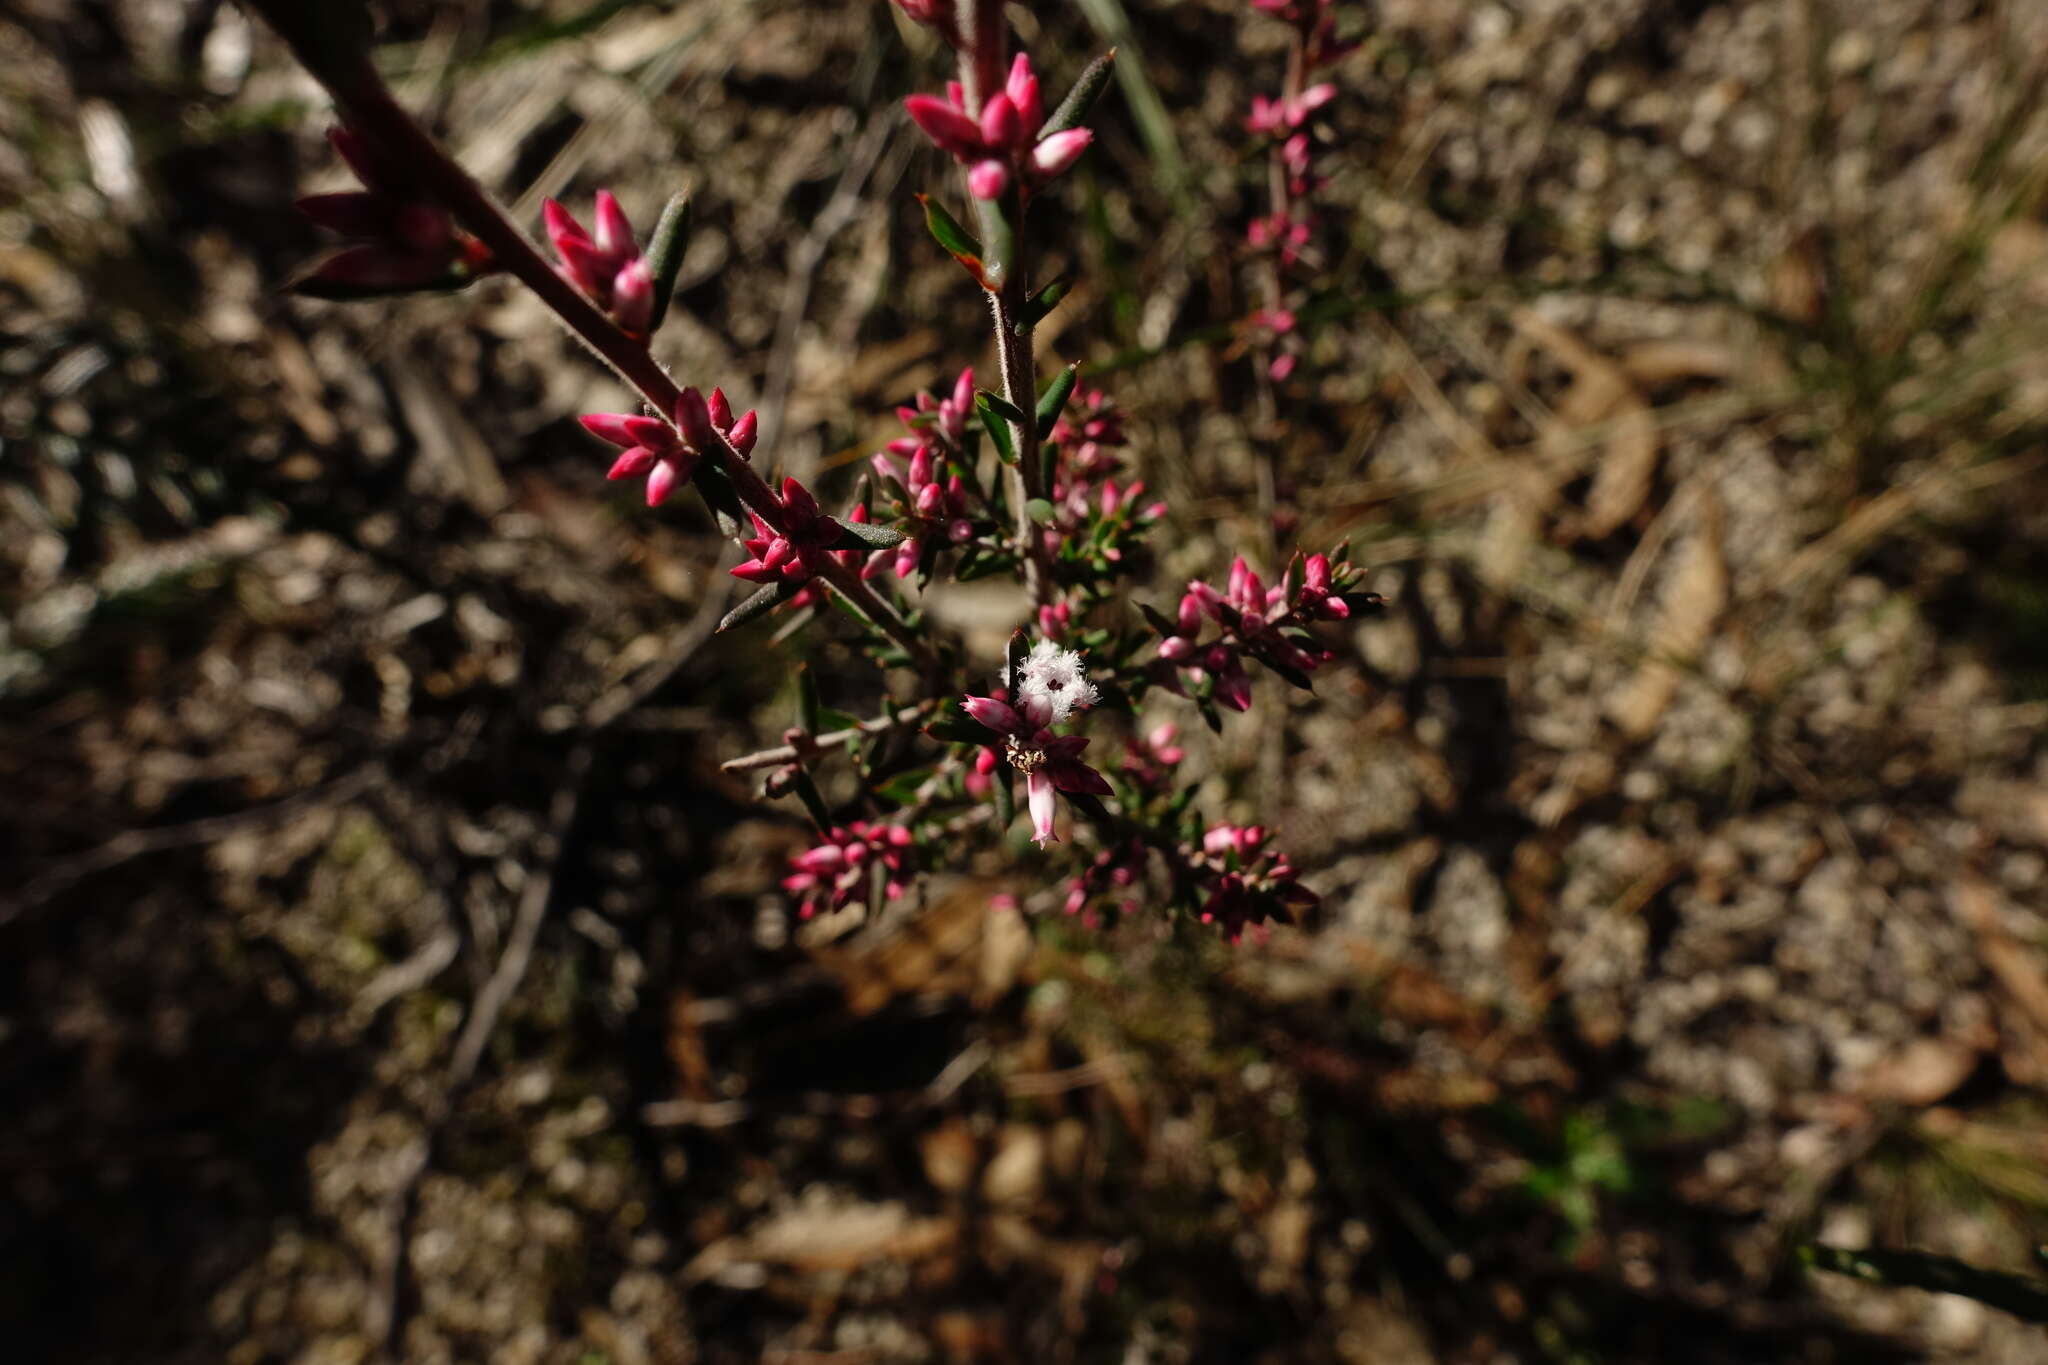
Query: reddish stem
point(369, 109)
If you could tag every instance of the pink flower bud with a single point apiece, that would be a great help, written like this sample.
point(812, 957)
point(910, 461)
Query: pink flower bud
point(996, 715)
point(1022, 88)
point(633, 297)
point(614, 233)
point(719, 409)
point(945, 125)
point(1000, 126)
point(632, 463)
point(1055, 154)
point(988, 179)
point(931, 500)
point(745, 432)
point(661, 481)
point(693, 415)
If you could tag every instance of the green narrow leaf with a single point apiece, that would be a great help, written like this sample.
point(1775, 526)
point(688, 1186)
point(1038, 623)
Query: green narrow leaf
point(1000, 404)
point(1006, 800)
point(1044, 301)
point(998, 427)
point(665, 253)
point(762, 602)
point(1082, 97)
point(902, 788)
point(1054, 400)
point(863, 535)
point(959, 243)
point(722, 498)
point(999, 230)
point(807, 708)
point(807, 792)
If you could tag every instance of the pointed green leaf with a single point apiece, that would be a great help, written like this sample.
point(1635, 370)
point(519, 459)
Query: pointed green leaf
point(959, 243)
point(1082, 97)
point(998, 427)
point(1006, 800)
point(863, 535)
point(1044, 301)
point(715, 487)
point(1000, 404)
point(665, 253)
point(807, 792)
point(768, 598)
point(807, 709)
point(1054, 400)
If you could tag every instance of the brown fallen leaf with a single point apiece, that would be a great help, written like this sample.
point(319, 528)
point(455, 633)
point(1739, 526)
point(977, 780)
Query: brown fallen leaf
point(1693, 598)
point(1922, 1072)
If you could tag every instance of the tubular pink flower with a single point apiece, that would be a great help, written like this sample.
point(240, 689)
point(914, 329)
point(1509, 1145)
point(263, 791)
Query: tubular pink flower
point(1039, 796)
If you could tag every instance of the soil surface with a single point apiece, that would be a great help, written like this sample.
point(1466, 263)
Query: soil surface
point(389, 970)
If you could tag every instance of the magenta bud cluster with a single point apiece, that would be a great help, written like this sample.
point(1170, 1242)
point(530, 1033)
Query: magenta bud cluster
point(796, 553)
point(1252, 620)
point(667, 453)
point(1001, 145)
point(839, 870)
point(1247, 882)
point(401, 240)
point(606, 266)
point(928, 501)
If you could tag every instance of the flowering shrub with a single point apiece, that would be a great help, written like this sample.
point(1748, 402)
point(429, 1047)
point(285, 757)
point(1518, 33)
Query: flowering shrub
point(1022, 479)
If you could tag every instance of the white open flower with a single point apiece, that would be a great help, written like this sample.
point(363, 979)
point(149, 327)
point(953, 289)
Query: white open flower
point(1051, 684)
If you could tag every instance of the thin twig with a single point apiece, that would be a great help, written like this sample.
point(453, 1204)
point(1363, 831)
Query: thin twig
point(832, 739)
point(373, 114)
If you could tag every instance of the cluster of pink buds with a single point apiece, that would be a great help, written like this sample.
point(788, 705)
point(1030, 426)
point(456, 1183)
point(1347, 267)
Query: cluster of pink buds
point(840, 869)
point(1089, 432)
point(1002, 145)
point(403, 242)
point(607, 267)
point(1049, 686)
point(1149, 762)
point(928, 504)
point(1266, 623)
point(666, 453)
point(1093, 514)
point(1117, 870)
point(796, 554)
point(1287, 229)
point(1248, 883)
